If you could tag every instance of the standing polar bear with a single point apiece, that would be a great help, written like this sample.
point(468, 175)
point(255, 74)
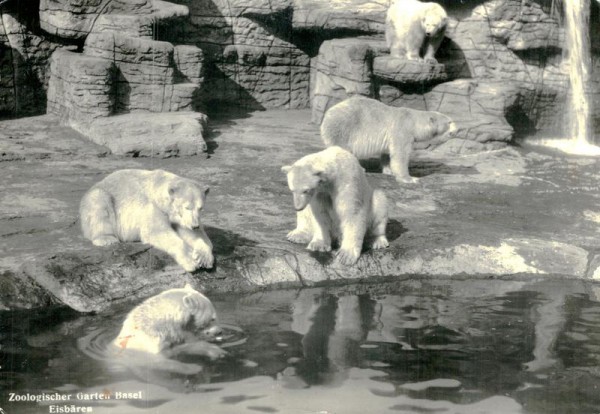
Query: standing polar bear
point(334, 200)
point(415, 30)
point(155, 207)
point(369, 128)
point(160, 322)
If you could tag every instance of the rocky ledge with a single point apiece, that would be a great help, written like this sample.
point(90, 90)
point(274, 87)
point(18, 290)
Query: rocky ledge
point(504, 213)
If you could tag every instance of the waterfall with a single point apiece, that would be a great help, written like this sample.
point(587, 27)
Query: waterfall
point(577, 23)
point(579, 131)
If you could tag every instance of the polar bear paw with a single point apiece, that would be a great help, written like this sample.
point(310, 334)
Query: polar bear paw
point(319, 246)
point(348, 257)
point(203, 258)
point(407, 180)
point(298, 236)
point(105, 240)
point(380, 242)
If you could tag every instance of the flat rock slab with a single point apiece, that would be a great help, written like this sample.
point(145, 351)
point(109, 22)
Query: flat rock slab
point(163, 134)
point(505, 213)
point(394, 69)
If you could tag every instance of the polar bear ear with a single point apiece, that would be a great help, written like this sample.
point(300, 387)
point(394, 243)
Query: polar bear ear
point(320, 174)
point(206, 190)
point(191, 301)
point(286, 168)
point(173, 188)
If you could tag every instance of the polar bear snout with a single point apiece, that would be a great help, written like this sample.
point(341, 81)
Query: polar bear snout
point(301, 200)
point(452, 130)
point(213, 331)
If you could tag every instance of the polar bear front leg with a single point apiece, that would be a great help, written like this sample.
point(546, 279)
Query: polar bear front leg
point(433, 44)
point(321, 235)
point(200, 243)
point(304, 224)
point(399, 160)
point(157, 231)
point(414, 42)
point(353, 233)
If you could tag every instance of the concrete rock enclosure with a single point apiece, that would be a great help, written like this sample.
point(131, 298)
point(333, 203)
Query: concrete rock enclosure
point(119, 89)
point(500, 71)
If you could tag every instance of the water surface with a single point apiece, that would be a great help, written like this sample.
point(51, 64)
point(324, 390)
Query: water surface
point(484, 346)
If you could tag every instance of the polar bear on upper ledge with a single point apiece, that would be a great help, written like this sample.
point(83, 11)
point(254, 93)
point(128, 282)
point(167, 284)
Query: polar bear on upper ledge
point(334, 200)
point(415, 30)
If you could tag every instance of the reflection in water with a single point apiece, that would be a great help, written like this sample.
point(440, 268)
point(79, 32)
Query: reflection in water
point(411, 347)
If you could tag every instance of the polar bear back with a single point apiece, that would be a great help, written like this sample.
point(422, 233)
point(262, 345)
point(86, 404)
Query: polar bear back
point(365, 126)
point(405, 16)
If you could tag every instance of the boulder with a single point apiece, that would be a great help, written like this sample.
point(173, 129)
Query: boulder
point(81, 87)
point(365, 16)
point(394, 69)
point(149, 135)
point(74, 19)
point(343, 68)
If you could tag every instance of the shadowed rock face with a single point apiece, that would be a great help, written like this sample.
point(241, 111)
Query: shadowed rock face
point(261, 54)
point(504, 213)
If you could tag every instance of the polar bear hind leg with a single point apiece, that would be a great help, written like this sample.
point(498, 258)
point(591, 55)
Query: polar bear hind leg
point(97, 216)
point(378, 240)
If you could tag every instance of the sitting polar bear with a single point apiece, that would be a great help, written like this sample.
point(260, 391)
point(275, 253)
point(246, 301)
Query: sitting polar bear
point(155, 207)
point(334, 200)
point(369, 128)
point(160, 322)
point(415, 30)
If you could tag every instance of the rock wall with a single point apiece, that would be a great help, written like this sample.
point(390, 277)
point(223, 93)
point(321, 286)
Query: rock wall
point(502, 59)
point(24, 56)
point(135, 95)
point(500, 71)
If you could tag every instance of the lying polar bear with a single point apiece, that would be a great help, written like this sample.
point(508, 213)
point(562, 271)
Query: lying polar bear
point(155, 207)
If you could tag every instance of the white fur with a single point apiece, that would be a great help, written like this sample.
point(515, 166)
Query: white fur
point(369, 128)
point(334, 200)
point(155, 207)
point(415, 30)
point(160, 322)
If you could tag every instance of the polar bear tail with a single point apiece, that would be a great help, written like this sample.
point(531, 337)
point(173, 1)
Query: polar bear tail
point(97, 215)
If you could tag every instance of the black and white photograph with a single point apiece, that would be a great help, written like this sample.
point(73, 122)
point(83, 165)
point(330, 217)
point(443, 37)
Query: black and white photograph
point(300, 206)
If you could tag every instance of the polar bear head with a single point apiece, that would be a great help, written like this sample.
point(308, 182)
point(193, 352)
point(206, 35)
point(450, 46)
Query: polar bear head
point(431, 124)
point(186, 201)
point(303, 181)
point(434, 19)
point(441, 124)
point(200, 312)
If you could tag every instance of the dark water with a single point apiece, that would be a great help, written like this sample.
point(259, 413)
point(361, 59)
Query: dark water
point(409, 347)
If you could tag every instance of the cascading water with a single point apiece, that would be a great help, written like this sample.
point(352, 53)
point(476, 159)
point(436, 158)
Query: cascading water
point(578, 108)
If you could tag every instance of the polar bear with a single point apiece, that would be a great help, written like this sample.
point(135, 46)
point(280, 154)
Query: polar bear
point(415, 30)
point(334, 200)
point(369, 128)
point(161, 322)
point(155, 207)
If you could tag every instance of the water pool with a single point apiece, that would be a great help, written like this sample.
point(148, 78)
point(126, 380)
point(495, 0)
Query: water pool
point(418, 346)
